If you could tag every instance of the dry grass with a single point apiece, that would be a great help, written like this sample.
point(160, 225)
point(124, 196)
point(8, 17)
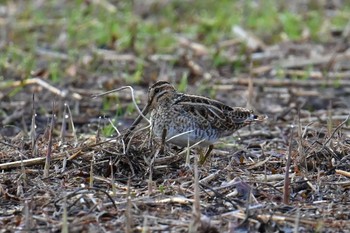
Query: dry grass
point(289, 174)
point(237, 189)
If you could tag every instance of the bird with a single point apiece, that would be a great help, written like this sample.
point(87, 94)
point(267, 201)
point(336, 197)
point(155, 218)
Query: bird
point(185, 120)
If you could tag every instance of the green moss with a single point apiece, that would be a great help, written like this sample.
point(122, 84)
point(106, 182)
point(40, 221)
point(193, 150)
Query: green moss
point(54, 71)
point(108, 130)
point(314, 22)
point(292, 25)
point(182, 87)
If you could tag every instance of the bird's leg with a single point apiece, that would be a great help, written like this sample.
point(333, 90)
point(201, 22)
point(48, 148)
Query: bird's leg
point(202, 159)
point(164, 133)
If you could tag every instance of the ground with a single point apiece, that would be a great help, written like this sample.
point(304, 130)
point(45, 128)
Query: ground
point(65, 165)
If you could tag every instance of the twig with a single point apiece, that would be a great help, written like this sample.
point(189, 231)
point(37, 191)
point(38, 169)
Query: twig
point(40, 160)
point(27, 162)
point(179, 135)
point(264, 82)
point(251, 41)
point(310, 185)
point(167, 159)
point(343, 173)
point(52, 54)
point(177, 200)
point(132, 96)
point(119, 134)
point(141, 115)
point(187, 148)
point(199, 49)
point(316, 74)
point(194, 68)
point(302, 62)
point(333, 133)
point(110, 55)
point(12, 117)
point(42, 83)
point(106, 5)
point(211, 177)
point(130, 139)
point(324, 119)
point(10, 145)
point(272, 177)
point(258, 164)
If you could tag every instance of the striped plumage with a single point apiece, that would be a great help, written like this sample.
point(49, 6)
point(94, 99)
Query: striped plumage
point(205, 120)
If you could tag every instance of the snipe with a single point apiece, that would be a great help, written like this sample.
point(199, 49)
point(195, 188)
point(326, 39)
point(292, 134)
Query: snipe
point(190, 119)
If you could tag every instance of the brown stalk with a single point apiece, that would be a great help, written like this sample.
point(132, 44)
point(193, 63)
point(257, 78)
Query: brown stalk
point(301, 151)
point(297, 221)
point(98, 131)
point(91, 178)
point(286, 186)
point(49, 147)
point(114, 190)
point(196, 214)
point(32, 129)
point(23, 170)
point(128, 139)
point(128, 217)
point(28, 219)
point(64, 228)
point(329, 120)
point(63, 125)
point(250, 83)
point(151, 165)
point(70, 116)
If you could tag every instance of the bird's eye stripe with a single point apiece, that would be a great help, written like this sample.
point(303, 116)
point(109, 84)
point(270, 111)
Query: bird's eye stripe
point(160, 94)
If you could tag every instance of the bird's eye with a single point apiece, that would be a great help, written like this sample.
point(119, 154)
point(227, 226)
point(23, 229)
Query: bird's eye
point(156, 90)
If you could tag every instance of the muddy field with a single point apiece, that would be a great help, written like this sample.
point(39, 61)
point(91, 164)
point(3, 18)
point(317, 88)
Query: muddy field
point(65, 166)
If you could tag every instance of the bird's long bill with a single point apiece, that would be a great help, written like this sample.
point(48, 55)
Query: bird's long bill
point(138, 119)
point(255, 118)
point(261, 118)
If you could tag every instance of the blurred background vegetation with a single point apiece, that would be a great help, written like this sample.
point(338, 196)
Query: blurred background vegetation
point(89, 46)
point(53, 35)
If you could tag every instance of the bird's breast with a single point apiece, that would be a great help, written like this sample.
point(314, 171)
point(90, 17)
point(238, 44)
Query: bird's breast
point(181, 129)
